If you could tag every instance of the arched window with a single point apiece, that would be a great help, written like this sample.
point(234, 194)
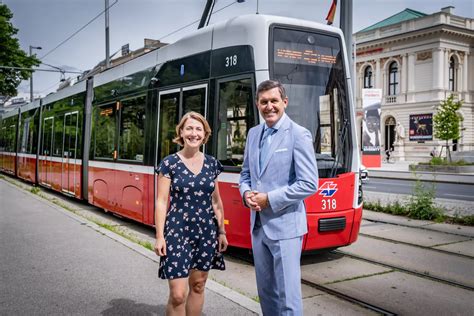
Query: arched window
point(452, 74)
point(368, 78)
point(393, 79)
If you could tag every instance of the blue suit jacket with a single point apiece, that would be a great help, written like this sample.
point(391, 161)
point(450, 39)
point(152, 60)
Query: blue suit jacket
point(288, 176)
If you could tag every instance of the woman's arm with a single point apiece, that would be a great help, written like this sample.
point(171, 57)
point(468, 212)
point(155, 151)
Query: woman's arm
point(219, 211)
point(160, 214)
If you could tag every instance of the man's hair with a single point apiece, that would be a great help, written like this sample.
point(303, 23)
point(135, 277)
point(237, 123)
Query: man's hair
point(268, 85)
point(196, 116)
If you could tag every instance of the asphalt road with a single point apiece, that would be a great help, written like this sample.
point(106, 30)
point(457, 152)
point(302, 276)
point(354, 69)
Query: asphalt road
point(453, 191)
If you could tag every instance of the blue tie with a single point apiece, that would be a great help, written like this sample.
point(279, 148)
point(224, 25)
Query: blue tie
point(265, 144)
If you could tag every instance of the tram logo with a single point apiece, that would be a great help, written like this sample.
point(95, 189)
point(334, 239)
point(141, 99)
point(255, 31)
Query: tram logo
point(328, 189)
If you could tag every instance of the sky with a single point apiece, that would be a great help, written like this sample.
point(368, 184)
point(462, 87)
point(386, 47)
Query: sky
point(47, 23)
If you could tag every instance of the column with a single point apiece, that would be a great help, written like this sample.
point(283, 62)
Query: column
point(438, 57)
point(378, 75)
point(404, 75)
point(411, 78)
point(465, 73)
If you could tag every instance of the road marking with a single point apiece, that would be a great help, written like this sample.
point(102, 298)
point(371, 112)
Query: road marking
point(389, 183)
point(461, 195)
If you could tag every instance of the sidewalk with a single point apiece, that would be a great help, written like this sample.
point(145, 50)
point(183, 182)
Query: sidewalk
point(54, 262)
point(400, 170)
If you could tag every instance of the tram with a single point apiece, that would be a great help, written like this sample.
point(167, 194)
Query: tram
point(100, 139)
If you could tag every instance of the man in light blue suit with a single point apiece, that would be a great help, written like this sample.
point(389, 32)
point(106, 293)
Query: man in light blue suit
point(278, 173)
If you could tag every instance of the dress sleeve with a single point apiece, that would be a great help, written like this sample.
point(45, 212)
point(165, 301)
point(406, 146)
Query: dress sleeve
point(164, 168)
point(218, 167)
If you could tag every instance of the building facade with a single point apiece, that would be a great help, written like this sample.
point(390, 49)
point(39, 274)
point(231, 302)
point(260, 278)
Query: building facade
point(417, 60)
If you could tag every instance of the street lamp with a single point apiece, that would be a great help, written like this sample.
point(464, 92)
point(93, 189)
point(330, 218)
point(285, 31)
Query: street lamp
point(31, 77)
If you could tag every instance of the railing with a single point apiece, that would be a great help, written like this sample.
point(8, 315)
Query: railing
point(390, 99)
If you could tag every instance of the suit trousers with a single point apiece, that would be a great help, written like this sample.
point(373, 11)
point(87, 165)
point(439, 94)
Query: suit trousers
point(278, 272)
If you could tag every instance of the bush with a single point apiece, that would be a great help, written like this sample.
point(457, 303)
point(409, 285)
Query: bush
point(421, 204)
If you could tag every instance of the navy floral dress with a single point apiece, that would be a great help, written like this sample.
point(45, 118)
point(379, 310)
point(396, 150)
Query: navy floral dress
point(191, 226)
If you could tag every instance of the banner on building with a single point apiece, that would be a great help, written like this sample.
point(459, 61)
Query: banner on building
point(371, 105)
point(421, 127)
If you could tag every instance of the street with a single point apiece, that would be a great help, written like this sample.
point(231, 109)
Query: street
point(56, 264)
point(453, 191)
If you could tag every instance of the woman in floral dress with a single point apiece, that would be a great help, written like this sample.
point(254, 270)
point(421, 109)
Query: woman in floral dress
point(190, 236)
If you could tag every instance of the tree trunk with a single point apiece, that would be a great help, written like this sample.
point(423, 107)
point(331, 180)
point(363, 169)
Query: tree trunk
point(448, 152)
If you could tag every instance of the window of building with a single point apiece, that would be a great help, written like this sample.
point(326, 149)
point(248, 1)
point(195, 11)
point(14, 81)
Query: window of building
point(393, 86)
point(368, 78)
point(452, 74)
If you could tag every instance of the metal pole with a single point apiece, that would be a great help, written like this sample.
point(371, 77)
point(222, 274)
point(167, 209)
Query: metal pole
point(107, 59)
point(346, 27)
point(31, 77)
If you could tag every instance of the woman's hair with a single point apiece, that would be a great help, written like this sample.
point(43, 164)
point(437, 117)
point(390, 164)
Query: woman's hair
point(196, 116)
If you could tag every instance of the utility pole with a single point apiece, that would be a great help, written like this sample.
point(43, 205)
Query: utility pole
point(107, 59)
point(31, 77)
point(346, 27)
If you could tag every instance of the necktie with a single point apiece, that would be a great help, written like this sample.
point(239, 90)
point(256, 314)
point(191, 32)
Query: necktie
point(265, 144)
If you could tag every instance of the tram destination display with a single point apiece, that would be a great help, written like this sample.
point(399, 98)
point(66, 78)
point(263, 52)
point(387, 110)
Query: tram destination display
point(304, 54)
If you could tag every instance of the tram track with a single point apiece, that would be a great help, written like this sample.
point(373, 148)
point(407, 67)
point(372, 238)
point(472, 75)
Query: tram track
point(424, 227)
point(328, 290)
point(404, 270)
point(418, 246)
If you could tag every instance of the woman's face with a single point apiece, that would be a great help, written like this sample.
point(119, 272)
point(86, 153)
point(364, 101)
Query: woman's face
point(373, 123)
point(192, 133)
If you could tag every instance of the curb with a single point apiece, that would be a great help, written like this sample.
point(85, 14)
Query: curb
point(423, 176)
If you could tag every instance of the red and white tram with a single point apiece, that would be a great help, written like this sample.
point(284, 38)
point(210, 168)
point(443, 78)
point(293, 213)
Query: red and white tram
point(100, 139)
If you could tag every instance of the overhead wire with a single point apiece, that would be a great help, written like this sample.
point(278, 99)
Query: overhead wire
point(194, 22)
point(83, 27)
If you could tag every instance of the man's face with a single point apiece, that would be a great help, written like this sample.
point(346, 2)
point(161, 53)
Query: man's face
point(271, 105)
point(373, 123)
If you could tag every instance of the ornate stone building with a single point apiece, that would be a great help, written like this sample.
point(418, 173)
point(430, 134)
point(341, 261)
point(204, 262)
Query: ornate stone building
point(417, 60)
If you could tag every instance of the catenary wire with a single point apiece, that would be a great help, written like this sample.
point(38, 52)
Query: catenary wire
point(194, 22)
point(83, 27)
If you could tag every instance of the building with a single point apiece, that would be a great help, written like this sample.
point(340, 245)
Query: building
point(417, 60)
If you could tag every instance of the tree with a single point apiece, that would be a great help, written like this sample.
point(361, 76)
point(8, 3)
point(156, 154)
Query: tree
point(12, 56)
point(447, 121)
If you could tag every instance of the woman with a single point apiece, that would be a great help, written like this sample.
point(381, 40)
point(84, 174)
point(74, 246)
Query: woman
point(191, 235)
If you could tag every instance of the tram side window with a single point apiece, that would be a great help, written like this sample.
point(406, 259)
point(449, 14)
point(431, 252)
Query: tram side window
point(58, 136)
point(25, 135)
point(194, 100)
point(132, 129)
point(168, 119)
point(105, 123)
point(235, 118)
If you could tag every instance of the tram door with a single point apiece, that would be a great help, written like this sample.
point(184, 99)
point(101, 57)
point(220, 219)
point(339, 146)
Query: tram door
point(173, 104)
point(46, 151)
point(69, 169)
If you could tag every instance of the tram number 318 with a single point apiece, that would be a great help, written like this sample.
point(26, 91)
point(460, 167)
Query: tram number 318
point(329, 204)
point(231, 61)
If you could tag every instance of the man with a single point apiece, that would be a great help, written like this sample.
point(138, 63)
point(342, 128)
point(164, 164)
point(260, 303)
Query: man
point(278, 173)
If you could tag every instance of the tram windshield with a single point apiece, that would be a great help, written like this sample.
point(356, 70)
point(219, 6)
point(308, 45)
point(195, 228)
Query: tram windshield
point(311, 67)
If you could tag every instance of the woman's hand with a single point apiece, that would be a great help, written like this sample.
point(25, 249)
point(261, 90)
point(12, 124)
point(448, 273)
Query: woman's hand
point(223, 243)
point(160, 246)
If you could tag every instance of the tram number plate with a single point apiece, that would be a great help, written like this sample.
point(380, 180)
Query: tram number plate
point(328, 204)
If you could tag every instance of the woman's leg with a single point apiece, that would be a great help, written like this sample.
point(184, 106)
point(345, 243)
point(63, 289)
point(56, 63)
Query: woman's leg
point(177, 299)
point(197, 284)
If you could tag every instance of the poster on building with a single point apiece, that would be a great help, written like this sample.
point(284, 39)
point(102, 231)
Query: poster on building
point(421, 127)
point(371, 105)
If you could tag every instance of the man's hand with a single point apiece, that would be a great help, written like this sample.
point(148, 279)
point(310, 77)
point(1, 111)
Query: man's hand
point(261, 199)
point(249, 200)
